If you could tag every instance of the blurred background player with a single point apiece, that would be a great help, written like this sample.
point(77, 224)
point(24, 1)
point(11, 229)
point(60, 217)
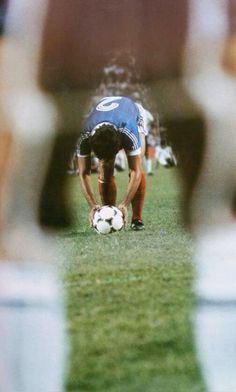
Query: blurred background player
point(158, 147)
point(147, 120)
point(152, 139)
point(115, 123)
point(32, 329)
point(164, 153)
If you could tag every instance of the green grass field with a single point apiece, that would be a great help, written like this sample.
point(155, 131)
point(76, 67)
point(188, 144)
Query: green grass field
point(129, 298)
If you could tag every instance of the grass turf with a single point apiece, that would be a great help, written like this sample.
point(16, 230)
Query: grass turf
point(129, 298)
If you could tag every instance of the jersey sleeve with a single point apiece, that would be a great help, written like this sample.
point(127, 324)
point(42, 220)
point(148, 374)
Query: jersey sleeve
point(131, 142)
point(83, 148)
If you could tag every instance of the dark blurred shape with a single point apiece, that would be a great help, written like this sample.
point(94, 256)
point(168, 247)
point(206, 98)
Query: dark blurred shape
point(82, 38)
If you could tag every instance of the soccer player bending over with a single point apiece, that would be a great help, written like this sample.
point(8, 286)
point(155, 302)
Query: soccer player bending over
point(114, 123)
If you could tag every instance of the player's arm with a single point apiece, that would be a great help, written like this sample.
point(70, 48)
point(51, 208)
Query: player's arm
point(84, 164)
point(134, 163)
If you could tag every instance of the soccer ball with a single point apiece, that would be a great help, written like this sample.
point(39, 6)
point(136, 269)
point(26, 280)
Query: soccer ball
point(108, 219)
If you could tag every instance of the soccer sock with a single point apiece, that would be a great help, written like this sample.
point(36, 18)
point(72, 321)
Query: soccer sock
point(148, 165)
point(32, 334)
point(215, 337)
point(107, 191)
point(138, 199)
point(215, 315)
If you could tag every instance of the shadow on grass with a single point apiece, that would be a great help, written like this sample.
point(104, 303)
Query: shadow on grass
point(78, 233)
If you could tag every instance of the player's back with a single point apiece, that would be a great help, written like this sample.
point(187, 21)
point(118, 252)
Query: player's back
point(120, 111)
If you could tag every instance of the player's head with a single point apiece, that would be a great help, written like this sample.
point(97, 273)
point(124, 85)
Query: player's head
point(105, 141)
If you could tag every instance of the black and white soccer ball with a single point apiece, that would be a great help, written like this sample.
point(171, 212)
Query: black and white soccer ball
point(108, 219)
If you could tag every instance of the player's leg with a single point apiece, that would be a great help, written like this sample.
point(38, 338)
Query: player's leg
point(147, 159)
point(107, 183)
point(30, 309)
point(32, 336)
point(138, 199)
point(120, 161)
point(214, 225)
point(148, 164)
point(31, 147)
point(215, 315)
point(23, 240)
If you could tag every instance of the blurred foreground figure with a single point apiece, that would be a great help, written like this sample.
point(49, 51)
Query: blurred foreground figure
point(213, 215)
point(32, 337)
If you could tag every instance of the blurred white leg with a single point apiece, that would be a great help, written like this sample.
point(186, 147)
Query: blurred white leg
point(32, 118)
point(214, 223)
point(215, 315)
point(32, 335)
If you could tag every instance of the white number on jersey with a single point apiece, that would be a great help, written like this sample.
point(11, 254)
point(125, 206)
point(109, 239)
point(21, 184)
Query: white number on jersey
point(107, 104)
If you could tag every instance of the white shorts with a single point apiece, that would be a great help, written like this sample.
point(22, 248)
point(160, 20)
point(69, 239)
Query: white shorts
point(147, 117)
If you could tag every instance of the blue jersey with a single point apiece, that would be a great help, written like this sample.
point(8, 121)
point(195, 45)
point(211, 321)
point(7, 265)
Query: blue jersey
point(119, 111)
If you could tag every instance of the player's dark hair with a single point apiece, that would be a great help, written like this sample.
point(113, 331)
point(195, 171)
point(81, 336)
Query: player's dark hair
point(106, 142)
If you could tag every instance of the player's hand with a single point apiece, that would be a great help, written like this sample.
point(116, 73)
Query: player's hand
point(91, 214)
point(124, 211)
